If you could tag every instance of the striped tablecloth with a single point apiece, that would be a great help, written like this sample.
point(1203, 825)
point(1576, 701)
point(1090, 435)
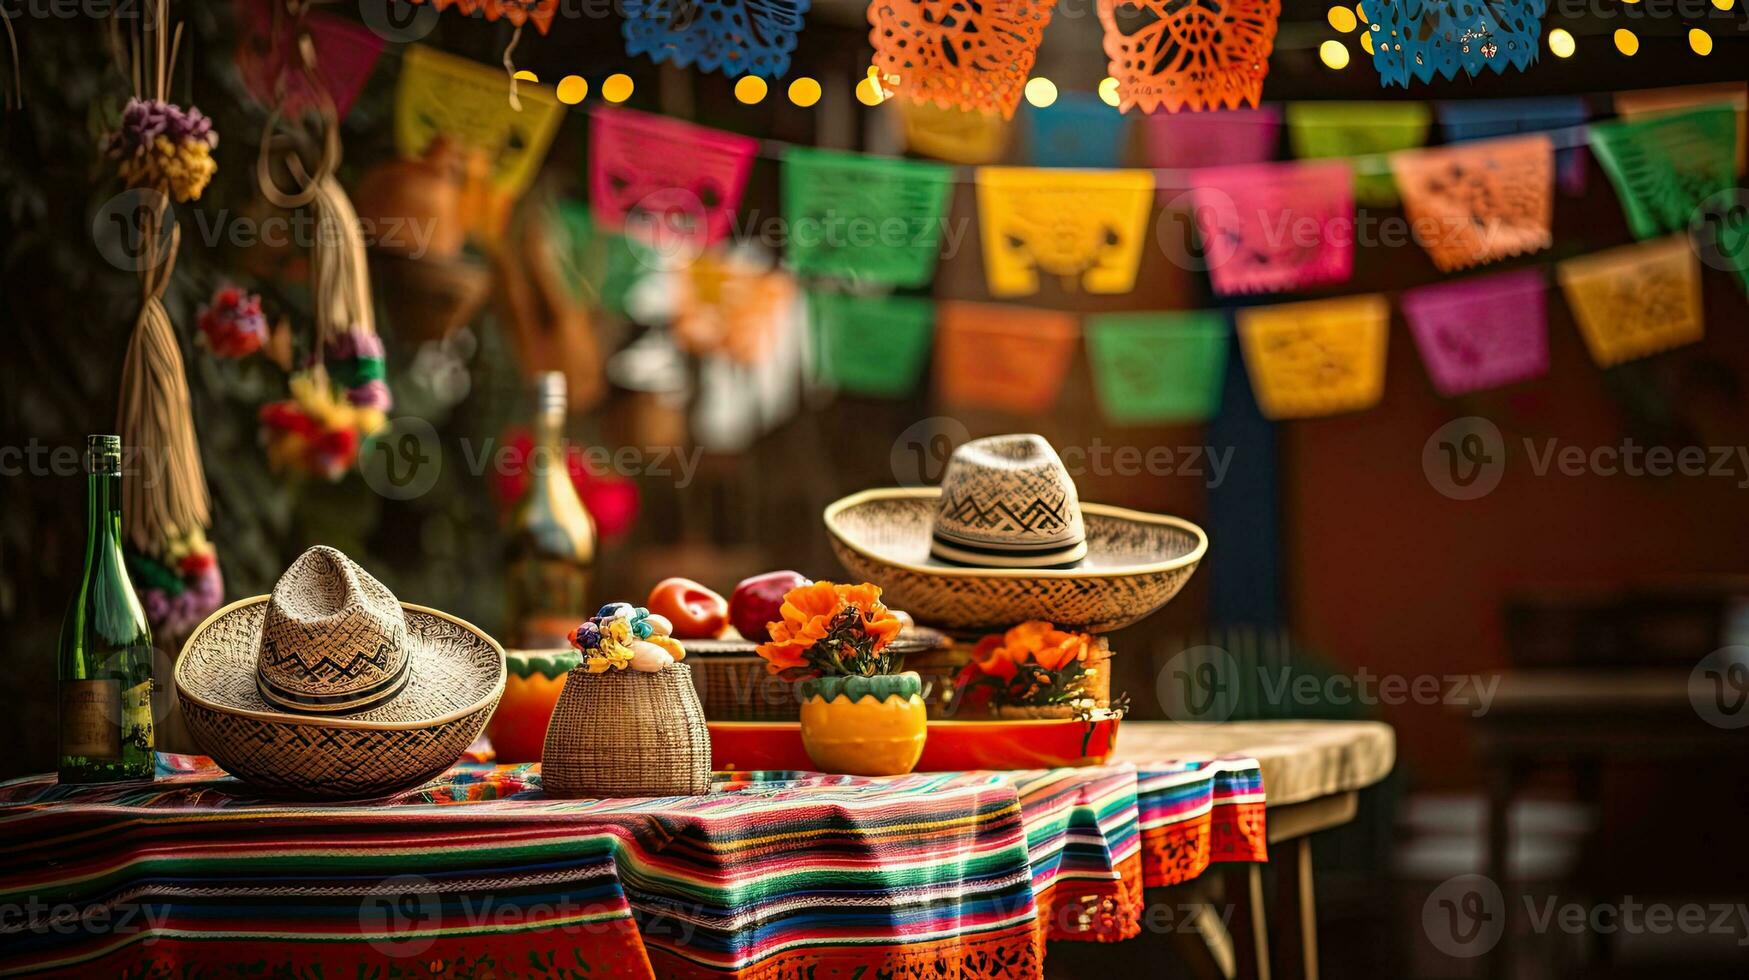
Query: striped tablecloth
point(774, 875)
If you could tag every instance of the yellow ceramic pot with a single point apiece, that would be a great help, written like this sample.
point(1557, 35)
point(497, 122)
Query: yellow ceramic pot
point(864, 726)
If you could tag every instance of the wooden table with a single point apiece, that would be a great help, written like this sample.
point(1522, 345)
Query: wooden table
point(1313, 772)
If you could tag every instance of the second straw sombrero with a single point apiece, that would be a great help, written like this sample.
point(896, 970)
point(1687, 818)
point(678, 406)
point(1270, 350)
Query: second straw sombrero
point(1006, 539)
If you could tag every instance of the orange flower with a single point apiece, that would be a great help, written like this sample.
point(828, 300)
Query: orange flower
point(811, 613)
point(1034, 641)
point(991, 657)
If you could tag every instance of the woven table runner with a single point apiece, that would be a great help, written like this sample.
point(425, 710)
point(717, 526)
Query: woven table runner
point(774, 874)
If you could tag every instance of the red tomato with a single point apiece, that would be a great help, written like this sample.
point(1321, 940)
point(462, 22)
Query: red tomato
point(696, 612)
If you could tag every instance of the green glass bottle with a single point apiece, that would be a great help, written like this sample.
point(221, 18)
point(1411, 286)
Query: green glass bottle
point(106, 646)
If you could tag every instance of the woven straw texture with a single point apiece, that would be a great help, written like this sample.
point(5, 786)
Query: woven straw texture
point(457, 678)
point(330, 629)
point(741, 689)
point(627, 733)
point(1135, 563)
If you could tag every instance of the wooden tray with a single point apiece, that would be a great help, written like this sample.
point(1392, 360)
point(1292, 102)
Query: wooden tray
point(952, 745)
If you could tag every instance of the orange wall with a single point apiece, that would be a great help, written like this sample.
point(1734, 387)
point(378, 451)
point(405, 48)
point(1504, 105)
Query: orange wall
point(1385, 572)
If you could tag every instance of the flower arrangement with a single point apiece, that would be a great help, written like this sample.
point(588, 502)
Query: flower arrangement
point(232, 324)
point(621, 635)
point(182, 587)
point(831, 630)
point(354, 361)
point(316, 431)
point(336, 404)
point(164, 146)
point(1033, 665)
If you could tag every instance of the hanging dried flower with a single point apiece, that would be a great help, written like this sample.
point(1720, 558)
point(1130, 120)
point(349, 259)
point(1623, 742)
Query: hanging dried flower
point(231, 324)
point(164, 146)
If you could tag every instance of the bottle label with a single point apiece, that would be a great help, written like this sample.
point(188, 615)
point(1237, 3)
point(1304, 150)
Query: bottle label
point(91, 719)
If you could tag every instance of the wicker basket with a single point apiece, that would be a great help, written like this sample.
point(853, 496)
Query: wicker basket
point(627, 733)
point(740, 688)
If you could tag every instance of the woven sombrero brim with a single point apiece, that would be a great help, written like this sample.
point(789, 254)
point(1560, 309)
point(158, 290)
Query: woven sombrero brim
point(457, 676)
point(1135, 563)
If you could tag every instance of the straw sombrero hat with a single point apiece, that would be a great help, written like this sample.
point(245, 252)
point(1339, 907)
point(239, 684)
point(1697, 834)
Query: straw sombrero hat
point(1005, 539)
point(331, 687)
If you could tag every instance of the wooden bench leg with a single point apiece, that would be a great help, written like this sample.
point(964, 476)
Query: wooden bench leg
point(1308, 913)
point(1299, 911)
point(1251, 923)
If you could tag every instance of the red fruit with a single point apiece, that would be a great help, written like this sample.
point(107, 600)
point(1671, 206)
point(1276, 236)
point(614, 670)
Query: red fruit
point(757, 601)
point(696, 612)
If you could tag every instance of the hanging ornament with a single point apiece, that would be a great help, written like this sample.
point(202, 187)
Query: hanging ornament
point(864, 218)
point(162, 152)
point(1478, 202)
point(1317, 358)
point(1082, 229)
point(1421, 38)
point(1275, 227)
point(957, 54)
point(341, 395)
point(735, 37)
point(1175, 55)
point(267, 57)
point(1665, 166)
point(518, 12)
point(1636, 300)
point(231, 323)
point(1481, 333)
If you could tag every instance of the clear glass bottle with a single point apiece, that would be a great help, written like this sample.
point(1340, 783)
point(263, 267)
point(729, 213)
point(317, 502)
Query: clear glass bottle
point(552, 538)
point(105, 663)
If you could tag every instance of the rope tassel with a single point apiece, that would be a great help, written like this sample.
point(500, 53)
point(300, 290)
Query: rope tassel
point(164, 492)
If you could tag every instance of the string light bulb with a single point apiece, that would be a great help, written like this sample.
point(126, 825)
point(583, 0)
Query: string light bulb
point(1626, 41)
point(1334, 54)
point(1561, 43)
point(1700, 41)
point(526, 76)
point(1108, 91)
point(572, 89)
point(1342, 19)
point(617, 87)
point(804, 91)
point(750, 89)
point(1041, 92)
point(868, 92)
